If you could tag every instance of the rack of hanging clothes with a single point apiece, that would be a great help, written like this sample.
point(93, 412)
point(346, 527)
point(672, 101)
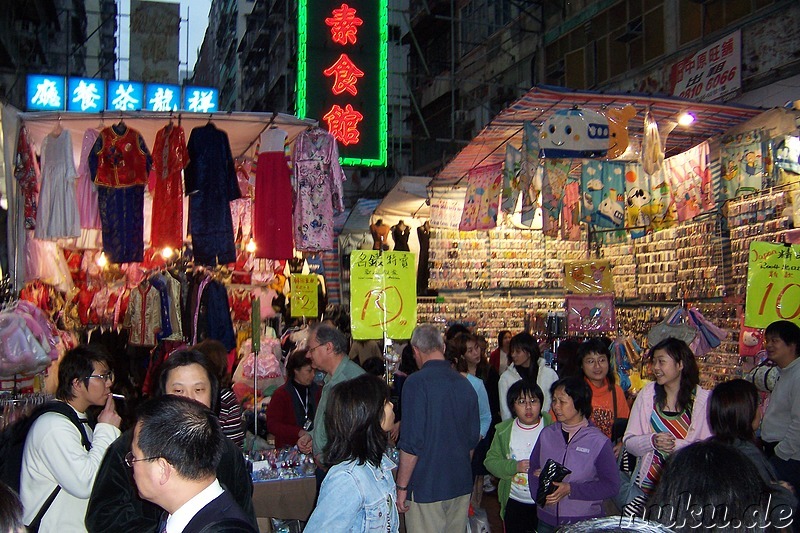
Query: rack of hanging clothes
point(15, 406)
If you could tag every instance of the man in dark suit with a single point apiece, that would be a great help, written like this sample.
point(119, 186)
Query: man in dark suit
point(177, 445)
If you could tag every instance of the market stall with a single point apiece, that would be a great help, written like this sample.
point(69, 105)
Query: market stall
point(659, 215)
point(73, 290)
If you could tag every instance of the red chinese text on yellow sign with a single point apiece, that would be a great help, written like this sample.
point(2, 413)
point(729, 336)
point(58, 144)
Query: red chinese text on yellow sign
point(383, 297)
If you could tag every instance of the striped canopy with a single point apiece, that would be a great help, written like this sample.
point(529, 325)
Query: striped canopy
point(540, 102)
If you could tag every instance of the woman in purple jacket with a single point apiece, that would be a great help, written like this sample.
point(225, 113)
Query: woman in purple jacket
point(580, 446)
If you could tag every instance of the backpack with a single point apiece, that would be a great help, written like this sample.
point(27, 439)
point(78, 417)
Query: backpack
point(12, 446)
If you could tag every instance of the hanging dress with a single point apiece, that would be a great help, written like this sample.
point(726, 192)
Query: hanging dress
point(272, 208)
point(317, 185)
point(87, 192)
point(26, 172)
point(211, 184)
point(169, 159)
point(57, 216)
point(119, 163)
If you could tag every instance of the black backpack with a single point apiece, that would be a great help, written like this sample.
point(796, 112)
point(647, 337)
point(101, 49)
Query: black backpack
point(12, 446)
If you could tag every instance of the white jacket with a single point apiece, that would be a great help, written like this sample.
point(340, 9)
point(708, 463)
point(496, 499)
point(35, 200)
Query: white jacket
point(545, 378)
point(54, 455)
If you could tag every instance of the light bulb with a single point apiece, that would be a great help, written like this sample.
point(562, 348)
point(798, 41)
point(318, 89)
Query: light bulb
point(101, 260)
point(686, 119)
point(250, 246)
point(167, 252)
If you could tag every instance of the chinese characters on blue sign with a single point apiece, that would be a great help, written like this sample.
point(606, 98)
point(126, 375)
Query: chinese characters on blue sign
point(87, 95)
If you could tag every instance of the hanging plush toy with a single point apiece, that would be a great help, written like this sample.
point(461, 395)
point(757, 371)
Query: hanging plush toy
point(574, 133)
point(618, 129)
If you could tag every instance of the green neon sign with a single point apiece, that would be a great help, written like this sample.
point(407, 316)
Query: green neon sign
point(342, 75)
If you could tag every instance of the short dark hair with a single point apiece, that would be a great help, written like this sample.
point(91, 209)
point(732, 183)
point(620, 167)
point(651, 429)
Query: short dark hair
point(567, 358)
point(10, 510)
point(297, 359)
point(527, 343)
point(503, 333)
point(326, 334)
point(353, 421)
point(600, 347)
point(577, 389)
point(407, 362)
point(680, 352)
point(218, 355)
point(455, 329)
point(522, 388)
point(182, 431)
point(696, 471)
point(374, 366)
point(186, 357)
point(78, 363)
point(732, 409)
point(788, 332)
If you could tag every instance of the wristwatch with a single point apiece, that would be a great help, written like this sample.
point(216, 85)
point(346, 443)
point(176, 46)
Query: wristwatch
point(401, 488)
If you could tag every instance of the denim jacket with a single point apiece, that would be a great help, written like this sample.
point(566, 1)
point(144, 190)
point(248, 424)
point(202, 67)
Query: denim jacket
point(356, 498)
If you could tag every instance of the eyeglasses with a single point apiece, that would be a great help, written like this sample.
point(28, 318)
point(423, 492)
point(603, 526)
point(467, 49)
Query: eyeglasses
point(130, 459)
point(108, 376)
point(310, 349)
point(527, 401)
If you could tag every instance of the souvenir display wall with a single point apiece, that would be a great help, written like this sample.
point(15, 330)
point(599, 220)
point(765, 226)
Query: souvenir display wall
point(763, 217)
point(499, 258)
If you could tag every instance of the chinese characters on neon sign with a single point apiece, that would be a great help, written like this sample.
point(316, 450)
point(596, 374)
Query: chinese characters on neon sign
point(343, 123)
point(342, 74)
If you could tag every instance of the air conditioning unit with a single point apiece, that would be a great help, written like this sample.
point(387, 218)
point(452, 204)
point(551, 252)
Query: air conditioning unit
point(633, 30)
point(461, 115)
point(556, 70)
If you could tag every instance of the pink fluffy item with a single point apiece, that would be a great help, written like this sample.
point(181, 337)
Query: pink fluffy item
point(20, 351)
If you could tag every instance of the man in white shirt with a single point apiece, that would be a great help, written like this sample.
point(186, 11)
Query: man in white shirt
point(177, 445)
point(54, 454)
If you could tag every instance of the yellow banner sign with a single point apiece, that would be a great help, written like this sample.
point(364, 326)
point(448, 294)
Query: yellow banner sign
point(383, 294)
point(588, 277)
point(304, 295)
point(773, 284)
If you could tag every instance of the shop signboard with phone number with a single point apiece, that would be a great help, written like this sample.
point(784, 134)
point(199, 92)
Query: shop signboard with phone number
point(383, 294)
point(773, 284)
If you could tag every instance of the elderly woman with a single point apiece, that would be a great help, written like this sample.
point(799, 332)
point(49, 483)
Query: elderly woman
point(290, 413)
point(580, 446)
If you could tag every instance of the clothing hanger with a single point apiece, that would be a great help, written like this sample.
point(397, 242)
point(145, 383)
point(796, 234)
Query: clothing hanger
point(58, 129)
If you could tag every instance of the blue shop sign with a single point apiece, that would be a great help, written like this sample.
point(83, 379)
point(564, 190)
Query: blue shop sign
point(201, 99)
point(86, 95)
point(125, 96)
point(161, 97)
point(46, 93)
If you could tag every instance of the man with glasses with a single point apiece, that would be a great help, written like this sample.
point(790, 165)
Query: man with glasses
point(55, 455)
point(176, 450)
point(328, 350)
point(114, 504)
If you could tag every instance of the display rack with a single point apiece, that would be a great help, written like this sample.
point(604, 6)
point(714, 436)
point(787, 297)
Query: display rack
point(759, 217)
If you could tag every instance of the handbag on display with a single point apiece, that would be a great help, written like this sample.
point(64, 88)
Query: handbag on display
point(672, 326)
point(551, 472)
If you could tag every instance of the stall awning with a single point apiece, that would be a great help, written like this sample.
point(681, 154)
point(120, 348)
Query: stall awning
point(407, 199)
point(243, 129)
point(540, 102)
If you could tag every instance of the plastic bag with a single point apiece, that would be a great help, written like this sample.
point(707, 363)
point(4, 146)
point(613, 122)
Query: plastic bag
point(551, 472)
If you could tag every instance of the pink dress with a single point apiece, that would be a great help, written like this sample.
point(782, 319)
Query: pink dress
point(272, 213)
point(87, 192)
point(318, 179)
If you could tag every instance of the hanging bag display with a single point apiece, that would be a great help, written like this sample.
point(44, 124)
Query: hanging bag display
point(672, 326)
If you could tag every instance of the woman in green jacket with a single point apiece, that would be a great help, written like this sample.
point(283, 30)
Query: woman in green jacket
point(509, 456)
